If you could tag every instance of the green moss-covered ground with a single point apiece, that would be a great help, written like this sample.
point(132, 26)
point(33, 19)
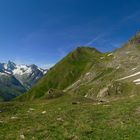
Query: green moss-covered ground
point(71, 118)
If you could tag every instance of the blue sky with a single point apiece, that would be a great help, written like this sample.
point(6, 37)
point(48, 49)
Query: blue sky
point(44, 31)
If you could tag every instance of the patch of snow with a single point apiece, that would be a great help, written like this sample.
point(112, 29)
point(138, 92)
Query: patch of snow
point(137, 80)
point(5, 66)
point(37, 77)
point(135, 74)
point(2, 73)
point(134, 68)
point(28, 71)
point(25, 67)
point(7, 72)
point(18, 71)
point(22, 69)
point(45, 71)
point(137, 83)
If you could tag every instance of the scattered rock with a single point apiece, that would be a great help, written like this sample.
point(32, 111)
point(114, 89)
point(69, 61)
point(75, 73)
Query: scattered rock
point(86, 96)
point(22, 137)
point(13, 117)
point(31, 109)
point(102, 58)
point(101, 101)
point(44, 112)
point(53, 93)
point(88, 73)
point(131, 96)
point(60, 119)
point(115, 88)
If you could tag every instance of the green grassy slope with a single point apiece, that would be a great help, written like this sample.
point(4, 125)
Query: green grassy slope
point(66, 72)
point(60, 119)
point(87, 72)
point(97, 102)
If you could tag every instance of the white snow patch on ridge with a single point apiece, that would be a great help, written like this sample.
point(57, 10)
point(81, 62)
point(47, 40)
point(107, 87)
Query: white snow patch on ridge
point(135, 74)
point(18, 71)
point(134, 68)
point(29, 70)
point(11, 68)
point(137, 81)
point(22, 69)
point(1, 73)
point(7, 72)
point(5, 66)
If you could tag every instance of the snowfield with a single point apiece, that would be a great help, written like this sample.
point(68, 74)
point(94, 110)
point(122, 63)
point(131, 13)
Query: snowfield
point(135, 74)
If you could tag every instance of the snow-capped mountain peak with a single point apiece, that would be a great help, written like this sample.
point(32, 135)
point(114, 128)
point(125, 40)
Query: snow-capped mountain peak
point(26, 74)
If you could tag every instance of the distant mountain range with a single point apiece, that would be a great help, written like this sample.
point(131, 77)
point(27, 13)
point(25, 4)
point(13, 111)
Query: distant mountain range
point(16, 79)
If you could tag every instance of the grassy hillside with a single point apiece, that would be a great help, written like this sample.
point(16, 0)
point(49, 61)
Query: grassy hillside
point(69, 117)
point(87, 95)
point(87, 72)
point(66, 72)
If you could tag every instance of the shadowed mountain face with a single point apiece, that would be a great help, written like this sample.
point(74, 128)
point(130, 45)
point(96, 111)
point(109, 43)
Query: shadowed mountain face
point(10, 87)
point(16, 79)
point(90, 73)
